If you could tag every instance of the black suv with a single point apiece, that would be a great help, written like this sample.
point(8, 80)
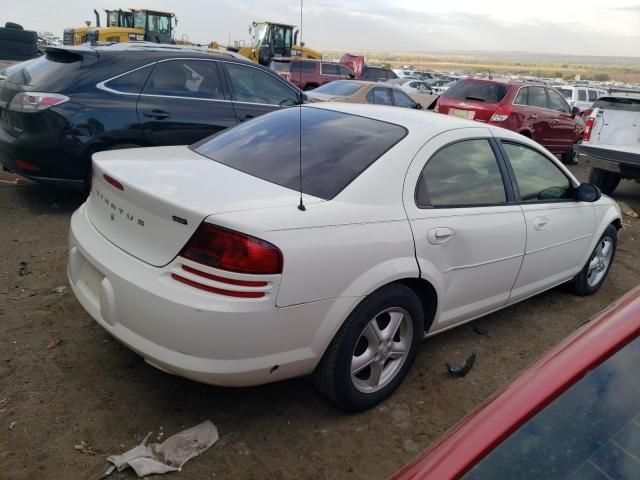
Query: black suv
point(59, 109)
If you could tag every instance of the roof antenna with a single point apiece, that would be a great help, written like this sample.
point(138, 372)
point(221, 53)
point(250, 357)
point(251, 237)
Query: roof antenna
point(301, 206)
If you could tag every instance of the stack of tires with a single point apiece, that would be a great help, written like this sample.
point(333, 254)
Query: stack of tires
point(16, 43)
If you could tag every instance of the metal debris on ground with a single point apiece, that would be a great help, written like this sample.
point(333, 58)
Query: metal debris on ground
point(627, 210)
point(12, 425)
point(59, 290)
point(168, 456)
point(481, 331)
point(53, 344)
point(462, 369)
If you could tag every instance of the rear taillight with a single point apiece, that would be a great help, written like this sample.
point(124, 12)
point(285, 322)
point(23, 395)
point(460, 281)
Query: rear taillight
point(32, 102)
point(232, 251)
point(587, 131)
point(28, 166)
point(501, 113)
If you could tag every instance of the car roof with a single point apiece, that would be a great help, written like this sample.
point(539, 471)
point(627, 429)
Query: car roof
point(497, 418)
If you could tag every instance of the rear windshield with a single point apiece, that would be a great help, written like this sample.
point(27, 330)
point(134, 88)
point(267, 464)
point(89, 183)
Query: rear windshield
point(340, 89)
point(279, 66)
point(477, 91)
point(336, 148)
point(618, 103)
point(592, 431)
point(36, 71)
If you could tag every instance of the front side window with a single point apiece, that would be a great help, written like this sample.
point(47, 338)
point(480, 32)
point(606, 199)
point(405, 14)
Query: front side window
point(537, 97)
point(567, 93)
point(582, 95)
point(461, 174)
point(184, 78)
point(538, 178)
point(556, 102)
point(593, 95)
point(401, 99)
point(159, 24)
point(268, 147)
point(330, 69)
point(379, 96)
point(253, 85)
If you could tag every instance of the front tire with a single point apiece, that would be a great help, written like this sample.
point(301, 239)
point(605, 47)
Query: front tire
point(595, 271)
point(606, 181)
point(373, 350)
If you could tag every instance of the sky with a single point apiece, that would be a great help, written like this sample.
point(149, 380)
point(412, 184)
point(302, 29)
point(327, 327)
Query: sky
point(583, 27)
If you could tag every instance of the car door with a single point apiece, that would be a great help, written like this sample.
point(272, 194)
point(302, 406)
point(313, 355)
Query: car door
point(256, 91)
point(559, 228)
point(468, 231)
point(183, 101)
point(538, 115)
point(563, 126)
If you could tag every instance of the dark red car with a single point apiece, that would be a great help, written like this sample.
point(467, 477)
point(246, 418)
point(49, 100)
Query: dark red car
point(534, 110)
point(574, 415)
point(309, 74)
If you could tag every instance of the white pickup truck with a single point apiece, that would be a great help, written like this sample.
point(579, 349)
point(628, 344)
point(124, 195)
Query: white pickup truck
point(611, 142)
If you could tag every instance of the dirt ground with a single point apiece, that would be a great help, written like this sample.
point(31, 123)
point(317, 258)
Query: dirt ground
point(63, 380)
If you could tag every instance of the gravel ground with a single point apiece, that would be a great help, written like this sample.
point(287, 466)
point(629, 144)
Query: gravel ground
point(63, 380)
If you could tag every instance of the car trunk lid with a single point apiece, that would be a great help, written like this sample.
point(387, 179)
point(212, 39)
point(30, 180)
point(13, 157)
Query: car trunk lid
point(149, 202)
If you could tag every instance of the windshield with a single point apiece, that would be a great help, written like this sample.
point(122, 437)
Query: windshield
point(336, 148)
point(261, 32)
point(477, 91)
point(112, 18)
point(340, 89)
point(628, 104)
point(592, 431)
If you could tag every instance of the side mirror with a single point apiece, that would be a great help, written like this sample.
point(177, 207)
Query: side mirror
point(575, 111)
point(588, 193)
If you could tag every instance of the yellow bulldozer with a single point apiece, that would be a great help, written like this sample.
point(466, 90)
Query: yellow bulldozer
point(125, 26)
point(269, 40)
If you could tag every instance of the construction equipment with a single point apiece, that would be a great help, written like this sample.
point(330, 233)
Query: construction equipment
point(269, 40)
point(125, 26)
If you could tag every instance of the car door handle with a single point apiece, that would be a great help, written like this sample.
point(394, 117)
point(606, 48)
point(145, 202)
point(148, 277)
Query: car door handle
point(440, 235)
point(156, 113)
point(540, 222)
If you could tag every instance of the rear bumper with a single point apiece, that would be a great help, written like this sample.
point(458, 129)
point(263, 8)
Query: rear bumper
point(625, 163)
point(188, 332)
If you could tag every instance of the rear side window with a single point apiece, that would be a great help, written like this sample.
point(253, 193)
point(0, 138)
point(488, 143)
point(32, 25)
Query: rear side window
point(537, 97)
point(304, 67)
point(462, 174)
point(477, 91)
point(268, 147)
point(593, 95)
point(330, 69)
point(618, 103)
point(379, 96)
point(567, 93)
point(186, 78)
point(344, 71)
point(254, 85)
point(537, 177)
point(523, 97)
point(132, 82)
point(340, 89)
point(582, 95)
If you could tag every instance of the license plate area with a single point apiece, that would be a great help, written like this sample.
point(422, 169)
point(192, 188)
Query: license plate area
point(457, 112)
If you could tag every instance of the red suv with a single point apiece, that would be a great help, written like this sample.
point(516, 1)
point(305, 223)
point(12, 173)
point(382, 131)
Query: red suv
point(534, 110)
point(308, 74)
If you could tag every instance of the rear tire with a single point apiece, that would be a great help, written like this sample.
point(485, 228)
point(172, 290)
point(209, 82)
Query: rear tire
point(569, 157)
point(373, 351)
point(595, 271)
point(606, 181)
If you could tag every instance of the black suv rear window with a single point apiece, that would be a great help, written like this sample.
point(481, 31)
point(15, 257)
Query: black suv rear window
point(336, 148)
point(477, 91)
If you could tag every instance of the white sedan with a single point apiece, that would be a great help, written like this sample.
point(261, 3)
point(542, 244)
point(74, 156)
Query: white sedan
point(227, 263)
